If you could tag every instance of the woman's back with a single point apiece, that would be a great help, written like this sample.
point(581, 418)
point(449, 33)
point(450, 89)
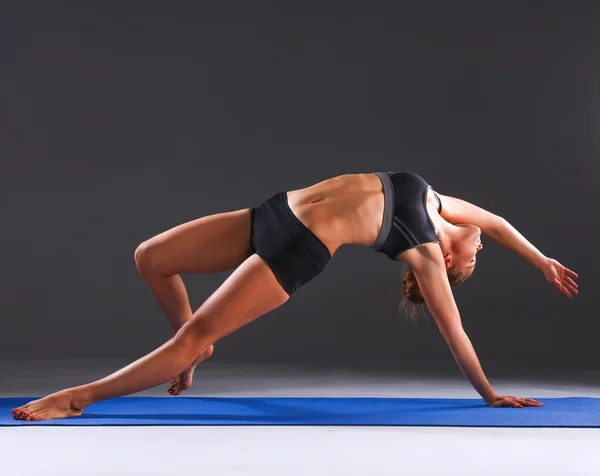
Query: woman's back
point(343, 209)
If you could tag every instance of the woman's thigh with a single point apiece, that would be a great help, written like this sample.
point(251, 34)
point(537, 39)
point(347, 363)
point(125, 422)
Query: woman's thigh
point(251, 291)
point(209, 244)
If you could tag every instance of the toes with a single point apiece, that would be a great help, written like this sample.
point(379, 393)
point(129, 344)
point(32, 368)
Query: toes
point(27, 412)
point(174, 385)
point(30, 415)
point(17, 412)
point(179, 384)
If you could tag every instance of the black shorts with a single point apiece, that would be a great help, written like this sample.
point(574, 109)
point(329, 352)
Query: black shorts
point(290, 249)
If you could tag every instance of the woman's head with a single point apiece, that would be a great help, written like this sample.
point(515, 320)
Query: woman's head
point(412, 294)
point(460, 249)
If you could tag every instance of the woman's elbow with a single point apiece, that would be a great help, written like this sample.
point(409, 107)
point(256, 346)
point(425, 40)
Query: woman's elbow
point(453, 334)
point(497, 224)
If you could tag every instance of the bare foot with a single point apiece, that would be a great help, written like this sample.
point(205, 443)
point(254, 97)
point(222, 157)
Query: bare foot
point(184, 381)
point(57, 405)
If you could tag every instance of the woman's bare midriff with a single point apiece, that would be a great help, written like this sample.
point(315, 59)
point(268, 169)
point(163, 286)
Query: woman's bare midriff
point(341, 210)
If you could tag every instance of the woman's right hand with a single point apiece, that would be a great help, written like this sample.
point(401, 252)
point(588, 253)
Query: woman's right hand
point(561, 277)
point(514, 402)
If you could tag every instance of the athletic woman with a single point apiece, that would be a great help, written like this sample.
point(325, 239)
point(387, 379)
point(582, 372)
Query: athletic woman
point(288, 240)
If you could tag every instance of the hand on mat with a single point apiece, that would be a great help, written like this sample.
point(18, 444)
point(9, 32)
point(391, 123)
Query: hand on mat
point(561, 277)
point(514, 402)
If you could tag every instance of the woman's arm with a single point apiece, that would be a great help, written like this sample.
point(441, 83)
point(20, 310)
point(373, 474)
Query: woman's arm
point(427, 263)
point(458, 211)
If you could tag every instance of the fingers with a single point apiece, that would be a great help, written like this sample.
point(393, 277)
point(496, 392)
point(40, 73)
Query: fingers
point(516, 402)
point(566, 270)
point(558, 284)
point(533, 402)
point(571, 282)
point(530, 402)
point(564, 281)
point(572, 289)
point(506, 402)
point(569, 290)
point(567, 287)
point(571, 273)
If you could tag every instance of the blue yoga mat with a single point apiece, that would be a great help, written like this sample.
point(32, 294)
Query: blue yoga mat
point(556, 412)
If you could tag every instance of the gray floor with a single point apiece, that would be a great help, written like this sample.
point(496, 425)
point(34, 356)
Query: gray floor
point(295, 450)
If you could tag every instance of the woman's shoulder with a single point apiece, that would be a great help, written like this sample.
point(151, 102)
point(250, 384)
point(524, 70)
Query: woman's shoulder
point(424, 257)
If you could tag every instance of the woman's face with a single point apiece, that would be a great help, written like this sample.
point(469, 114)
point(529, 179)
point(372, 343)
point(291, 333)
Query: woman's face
point(465, 248)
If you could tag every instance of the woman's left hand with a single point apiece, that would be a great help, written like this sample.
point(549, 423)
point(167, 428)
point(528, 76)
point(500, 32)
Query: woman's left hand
point(514, 402)
point(561, 277)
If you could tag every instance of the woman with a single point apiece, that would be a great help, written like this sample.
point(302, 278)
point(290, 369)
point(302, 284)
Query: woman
point(285, 242)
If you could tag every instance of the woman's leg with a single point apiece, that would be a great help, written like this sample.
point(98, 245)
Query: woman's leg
point(207, 245)
point(251, 291)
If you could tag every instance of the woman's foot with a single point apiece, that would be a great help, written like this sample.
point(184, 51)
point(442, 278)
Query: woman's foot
point(57, 405)
point(184, 381)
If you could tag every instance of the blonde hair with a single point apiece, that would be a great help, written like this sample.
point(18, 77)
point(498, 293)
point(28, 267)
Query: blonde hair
point(412, 294)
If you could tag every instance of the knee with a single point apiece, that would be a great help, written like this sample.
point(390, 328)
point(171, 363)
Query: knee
point(145, 257)
point(196, 334)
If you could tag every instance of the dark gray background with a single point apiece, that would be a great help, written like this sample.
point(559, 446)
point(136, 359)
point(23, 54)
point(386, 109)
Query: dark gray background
point(118, 123)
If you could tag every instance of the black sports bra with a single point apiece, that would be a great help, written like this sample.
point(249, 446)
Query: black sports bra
point(406, 223)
